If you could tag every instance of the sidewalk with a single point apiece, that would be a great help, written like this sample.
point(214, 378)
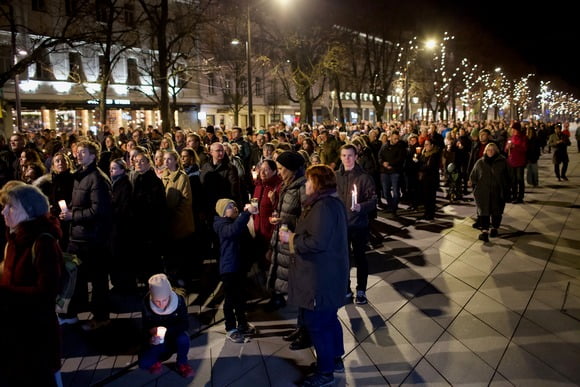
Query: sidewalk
point(444, 309)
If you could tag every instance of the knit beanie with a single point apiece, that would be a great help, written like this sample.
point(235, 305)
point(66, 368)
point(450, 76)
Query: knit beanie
point(221, 205)
point(34, 202)
point(159, 287)
point(290, 160)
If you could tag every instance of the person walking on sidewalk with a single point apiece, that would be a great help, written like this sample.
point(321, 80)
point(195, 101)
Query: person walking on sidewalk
point(356, 189)
point(560, 142)
point(319, 271)
point(166, 324)
point(490, 181)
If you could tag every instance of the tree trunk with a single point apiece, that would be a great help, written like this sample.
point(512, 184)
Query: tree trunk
point(164, 110)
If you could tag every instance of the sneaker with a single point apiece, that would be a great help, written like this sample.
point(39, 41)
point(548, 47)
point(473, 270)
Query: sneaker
point(68, 321)
point(156, 368)
point(235, 336)
point(247, 329)
point(93, 324)
point(338, 365)
point(493, 233)
point(361, 298)
point(185, 370)
point(484, 237)
point(349, 295)
point(318, 380)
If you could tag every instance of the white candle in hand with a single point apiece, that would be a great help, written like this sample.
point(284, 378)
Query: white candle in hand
point(161, 334)
point(354, 196)
point(62, 205)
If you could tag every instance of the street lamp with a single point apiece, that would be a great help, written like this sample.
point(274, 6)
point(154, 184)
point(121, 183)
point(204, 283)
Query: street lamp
point(249, 66)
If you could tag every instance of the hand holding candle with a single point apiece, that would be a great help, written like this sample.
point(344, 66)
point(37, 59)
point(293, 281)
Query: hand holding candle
point(161, 331)
point(62, 205)
point(354, 197)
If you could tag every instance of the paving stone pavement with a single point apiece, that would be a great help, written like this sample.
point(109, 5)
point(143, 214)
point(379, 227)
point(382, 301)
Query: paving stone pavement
point(444, 309)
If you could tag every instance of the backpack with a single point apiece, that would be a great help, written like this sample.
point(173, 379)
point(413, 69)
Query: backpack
point(68, 279)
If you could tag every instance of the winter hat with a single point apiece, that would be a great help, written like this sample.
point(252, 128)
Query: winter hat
point(290, 160)
point(221, 205)
point(34, 202)
point(159, 287)
point(210, 129)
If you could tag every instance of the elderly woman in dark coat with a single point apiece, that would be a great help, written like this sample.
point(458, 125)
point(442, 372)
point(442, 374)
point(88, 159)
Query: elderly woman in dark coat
point(320, 269)
point(29, 283)
point(490, 181)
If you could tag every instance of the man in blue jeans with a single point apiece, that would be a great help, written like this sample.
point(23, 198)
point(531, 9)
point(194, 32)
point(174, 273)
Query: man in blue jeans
point(392, 159)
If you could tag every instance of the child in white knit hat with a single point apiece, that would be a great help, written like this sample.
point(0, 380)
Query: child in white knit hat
point(166, 324)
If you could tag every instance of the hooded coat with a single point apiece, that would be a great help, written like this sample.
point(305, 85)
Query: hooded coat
point(491, 187)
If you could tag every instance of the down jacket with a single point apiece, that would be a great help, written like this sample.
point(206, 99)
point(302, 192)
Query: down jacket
point(289, 208)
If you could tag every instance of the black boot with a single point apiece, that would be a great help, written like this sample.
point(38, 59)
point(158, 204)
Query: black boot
point(302, 342)
point(293, 335)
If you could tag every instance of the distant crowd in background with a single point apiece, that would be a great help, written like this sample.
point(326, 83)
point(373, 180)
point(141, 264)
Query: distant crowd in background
point(136, 203)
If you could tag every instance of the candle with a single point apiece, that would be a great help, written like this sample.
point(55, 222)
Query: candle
point(418, 150)
point(354, 196)
point(62, 205)
point(254, 202)
point(161, 333)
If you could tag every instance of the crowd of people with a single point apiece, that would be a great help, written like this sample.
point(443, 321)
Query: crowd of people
point(143, 210)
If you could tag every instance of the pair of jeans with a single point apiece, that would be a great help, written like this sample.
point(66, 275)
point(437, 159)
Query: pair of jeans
point(162, 352)
point(326, 334)
point(234, 300)
point(518, 185)
point(532, 174)
point(391, 190)
point(357, 239)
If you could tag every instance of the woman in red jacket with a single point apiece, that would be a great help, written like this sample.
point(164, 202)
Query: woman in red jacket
point(266, 192)
point(29, 283)
point(516, 150)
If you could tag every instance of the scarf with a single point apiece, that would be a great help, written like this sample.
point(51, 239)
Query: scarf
point(171, 306)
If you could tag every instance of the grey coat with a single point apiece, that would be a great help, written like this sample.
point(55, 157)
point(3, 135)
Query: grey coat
point(490, 181)
point(320, 266)
point(289, 208)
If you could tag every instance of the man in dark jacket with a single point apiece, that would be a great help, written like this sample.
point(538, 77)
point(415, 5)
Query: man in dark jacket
point(391, 160)
point(356, 189)
point(91, 217)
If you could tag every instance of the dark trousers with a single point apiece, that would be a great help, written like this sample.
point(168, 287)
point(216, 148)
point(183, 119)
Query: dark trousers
point(518, 185)
point(358, 239)
point(93, 269)
point(326, 334)
point(484, 221)
point(561, 173)
point(235, 300)
point(162, 352)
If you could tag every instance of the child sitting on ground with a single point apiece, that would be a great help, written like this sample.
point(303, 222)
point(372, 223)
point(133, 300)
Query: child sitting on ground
point(229, 228)
point(166, 323)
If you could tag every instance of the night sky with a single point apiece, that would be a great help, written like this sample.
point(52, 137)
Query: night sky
point(518, 36)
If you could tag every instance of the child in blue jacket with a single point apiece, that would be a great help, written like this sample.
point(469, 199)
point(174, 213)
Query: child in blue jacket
point(230, 225)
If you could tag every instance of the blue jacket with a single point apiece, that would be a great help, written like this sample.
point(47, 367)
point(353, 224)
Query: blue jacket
point(230, 233)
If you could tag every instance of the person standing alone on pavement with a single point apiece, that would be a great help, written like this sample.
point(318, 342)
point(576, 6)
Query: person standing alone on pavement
point(356, 189)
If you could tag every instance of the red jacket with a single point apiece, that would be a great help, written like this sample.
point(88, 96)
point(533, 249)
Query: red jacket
point(27, 301)
point(266, 207)
point(516, 149)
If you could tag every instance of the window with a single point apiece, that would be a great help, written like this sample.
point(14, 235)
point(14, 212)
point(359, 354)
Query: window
point(258, 87)
point(76, 73)
point(101, 11)
point(130, 14)
point(227, 86)
point(211, 84)
point(70, 7)
point(5, 59)
point(43, 68)
point(243, 87)
point(133, 72)
point(39, 5)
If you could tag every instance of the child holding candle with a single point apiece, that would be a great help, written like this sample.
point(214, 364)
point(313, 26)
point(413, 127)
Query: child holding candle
point(165, 321)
